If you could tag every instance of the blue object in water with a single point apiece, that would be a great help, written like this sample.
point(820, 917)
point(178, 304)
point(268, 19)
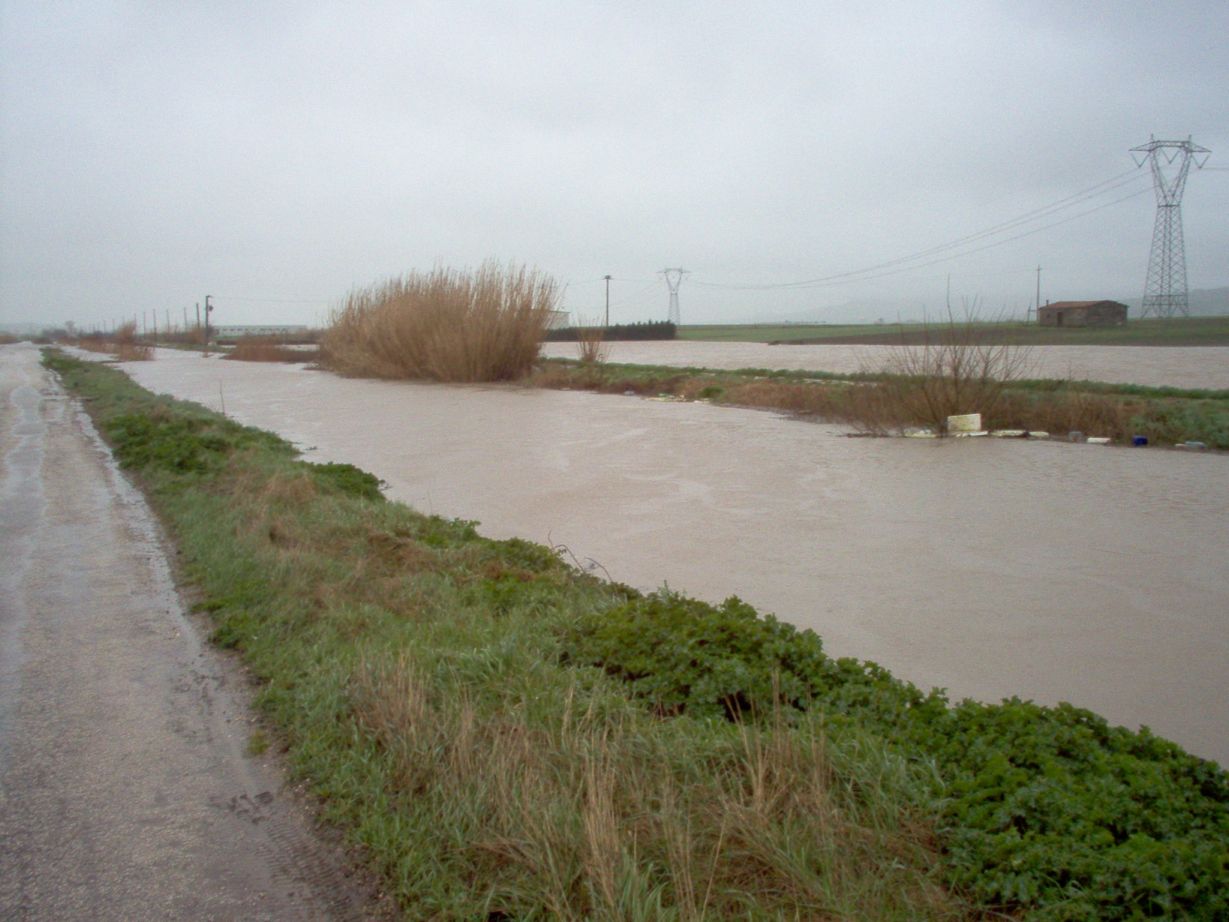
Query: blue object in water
point(1139, 440)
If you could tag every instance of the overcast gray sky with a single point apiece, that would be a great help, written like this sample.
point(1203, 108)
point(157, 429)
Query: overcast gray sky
point(275, 155)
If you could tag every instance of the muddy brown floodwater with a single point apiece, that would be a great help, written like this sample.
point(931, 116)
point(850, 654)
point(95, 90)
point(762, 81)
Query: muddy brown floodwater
point(1156, 366)
point(992, 568)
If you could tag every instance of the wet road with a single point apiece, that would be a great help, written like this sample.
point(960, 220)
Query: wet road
point(125, 790)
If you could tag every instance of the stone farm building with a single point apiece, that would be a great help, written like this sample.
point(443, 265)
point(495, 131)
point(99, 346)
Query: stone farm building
point(1083, 314)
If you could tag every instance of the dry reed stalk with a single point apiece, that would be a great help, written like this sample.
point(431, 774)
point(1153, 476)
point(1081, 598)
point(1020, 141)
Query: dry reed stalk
point(446, 325)
point(266, 349)
point(122, 343)
point(590, 339)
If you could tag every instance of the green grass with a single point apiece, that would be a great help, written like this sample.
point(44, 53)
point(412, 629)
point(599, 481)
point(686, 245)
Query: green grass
point(509, 738)
point(1164, 415)
point(1178, 331)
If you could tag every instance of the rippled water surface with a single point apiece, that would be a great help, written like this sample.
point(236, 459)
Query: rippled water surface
point(993, 568)
point(1201, 366)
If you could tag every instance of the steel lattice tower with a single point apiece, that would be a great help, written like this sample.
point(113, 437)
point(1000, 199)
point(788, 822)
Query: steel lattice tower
point(674, 278)
point(1165, 287)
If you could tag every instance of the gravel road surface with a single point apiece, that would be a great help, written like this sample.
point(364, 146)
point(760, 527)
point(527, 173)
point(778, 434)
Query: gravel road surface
point(126, 791)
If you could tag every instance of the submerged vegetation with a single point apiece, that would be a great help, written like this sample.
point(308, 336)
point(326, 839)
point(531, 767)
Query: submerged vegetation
point(881, 403)
point(123, 343)
point(445, 325)
point(508, 737)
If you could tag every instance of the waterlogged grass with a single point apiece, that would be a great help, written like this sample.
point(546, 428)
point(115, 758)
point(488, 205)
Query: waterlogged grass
point(880, 402)
point(511, 739)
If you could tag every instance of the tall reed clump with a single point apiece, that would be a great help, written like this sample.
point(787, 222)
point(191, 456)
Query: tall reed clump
point(444, 325)
point(955, 369)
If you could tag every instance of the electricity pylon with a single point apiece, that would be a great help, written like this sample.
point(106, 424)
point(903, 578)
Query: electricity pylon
point(674, 278)
point(1165, 287)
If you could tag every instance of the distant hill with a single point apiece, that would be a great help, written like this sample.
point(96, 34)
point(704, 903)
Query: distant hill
point(1203, 302)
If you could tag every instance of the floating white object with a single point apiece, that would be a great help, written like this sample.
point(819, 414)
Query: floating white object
point(965, 422)
point(1009, 433)
point(970, 435)
point(1038, 434)
point(920, 434)
point(1097, 440)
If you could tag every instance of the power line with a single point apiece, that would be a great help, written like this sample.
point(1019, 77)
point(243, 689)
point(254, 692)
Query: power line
point(1070, 201)
point(846, 277)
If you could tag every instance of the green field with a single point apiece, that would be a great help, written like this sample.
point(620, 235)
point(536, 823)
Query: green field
point(1183, 331)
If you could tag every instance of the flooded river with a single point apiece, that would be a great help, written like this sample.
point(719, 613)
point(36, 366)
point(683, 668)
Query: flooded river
point(992, 568)
point(1200, 366)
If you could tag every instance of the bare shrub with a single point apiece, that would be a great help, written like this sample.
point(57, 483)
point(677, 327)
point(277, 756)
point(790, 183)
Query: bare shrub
point(955, 369)
point(590, 338)
point(445, 325)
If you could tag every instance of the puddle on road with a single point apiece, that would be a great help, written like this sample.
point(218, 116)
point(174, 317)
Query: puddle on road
point(990, 567)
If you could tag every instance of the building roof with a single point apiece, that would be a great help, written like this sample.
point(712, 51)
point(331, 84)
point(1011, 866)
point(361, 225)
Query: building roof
point(1081, 304)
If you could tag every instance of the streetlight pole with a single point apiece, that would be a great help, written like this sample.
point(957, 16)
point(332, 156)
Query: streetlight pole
point(607, 301)
point(208, 311)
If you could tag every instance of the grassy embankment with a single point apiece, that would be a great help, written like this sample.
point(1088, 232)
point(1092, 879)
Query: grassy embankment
point(1175, 331)
point(509, 738)
point(883, 403)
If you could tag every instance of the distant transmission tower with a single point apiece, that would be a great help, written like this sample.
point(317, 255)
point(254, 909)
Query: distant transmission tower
point(1165, 287)
point(674, 278)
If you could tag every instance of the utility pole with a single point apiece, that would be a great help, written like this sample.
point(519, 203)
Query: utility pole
point(208, 311)
point(1037, 303)
point(607, 278)
point(674, 278)
point(1165, 291)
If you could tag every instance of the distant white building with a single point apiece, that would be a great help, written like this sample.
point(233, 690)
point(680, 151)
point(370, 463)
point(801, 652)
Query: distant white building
point(240, 331)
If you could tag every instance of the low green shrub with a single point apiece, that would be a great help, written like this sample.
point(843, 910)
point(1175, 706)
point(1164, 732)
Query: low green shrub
point(348, 479)
point(1046, 809)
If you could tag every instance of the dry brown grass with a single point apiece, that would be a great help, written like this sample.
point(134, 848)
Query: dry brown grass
point(1066, 411)
point(446, 325)
point(595, 815)
point(267, 349)
point(122, 343)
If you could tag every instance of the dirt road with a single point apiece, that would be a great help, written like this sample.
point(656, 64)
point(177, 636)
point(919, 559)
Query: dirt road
point(125, 788)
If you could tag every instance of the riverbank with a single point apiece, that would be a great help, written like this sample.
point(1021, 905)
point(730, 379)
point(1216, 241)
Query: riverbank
point(1162, 416)
point(1153, 331)
point(587, 767)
